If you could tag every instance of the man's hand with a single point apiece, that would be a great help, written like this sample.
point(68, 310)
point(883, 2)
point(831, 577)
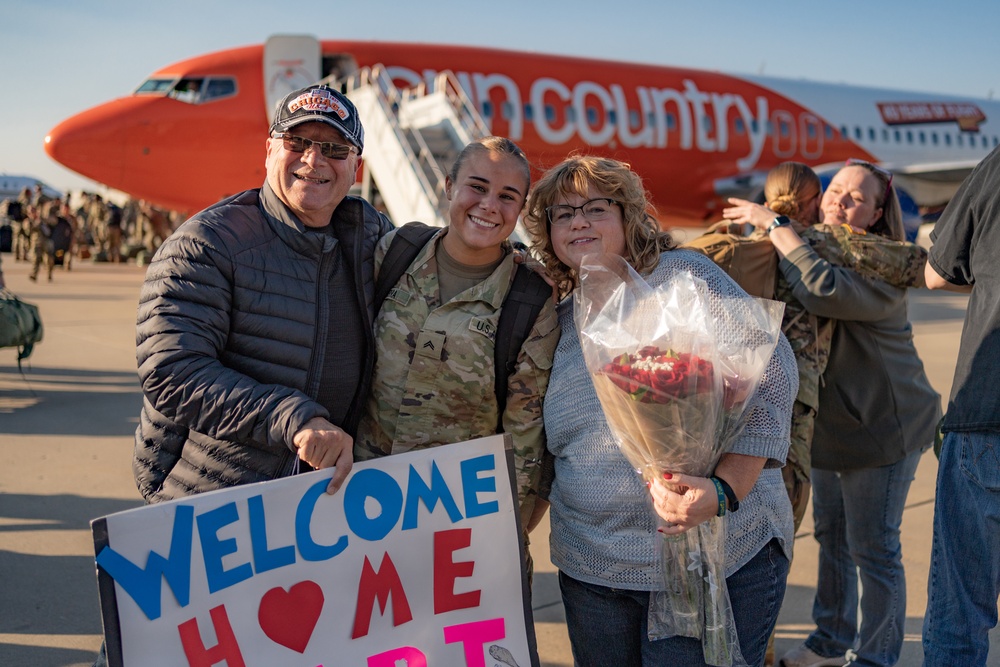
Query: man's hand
point(323, 445)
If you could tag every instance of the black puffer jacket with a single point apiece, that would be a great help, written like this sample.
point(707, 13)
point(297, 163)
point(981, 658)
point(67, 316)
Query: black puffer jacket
point(228, 323)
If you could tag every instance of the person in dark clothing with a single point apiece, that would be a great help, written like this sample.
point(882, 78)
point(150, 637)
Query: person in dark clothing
point(254, 334)
point(964, 578)
point(254, 330)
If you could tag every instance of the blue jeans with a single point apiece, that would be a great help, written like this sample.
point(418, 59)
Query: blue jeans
point(607, 626)
point(964, 576)
point(857, 516)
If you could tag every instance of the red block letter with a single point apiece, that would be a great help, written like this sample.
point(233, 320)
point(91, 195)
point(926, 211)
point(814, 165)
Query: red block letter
point(228, 649)
point(446, 571)
point(412, 656)
point(473, 637)
point(380, 585)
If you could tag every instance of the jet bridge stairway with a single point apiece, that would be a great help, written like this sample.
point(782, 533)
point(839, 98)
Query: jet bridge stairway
point(412, 138)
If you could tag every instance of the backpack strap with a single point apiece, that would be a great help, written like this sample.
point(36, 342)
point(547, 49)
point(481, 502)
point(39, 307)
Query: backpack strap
point(403, 249)
point(525, 300)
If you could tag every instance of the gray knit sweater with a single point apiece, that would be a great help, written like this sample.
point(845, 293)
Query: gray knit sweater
point(602, 521)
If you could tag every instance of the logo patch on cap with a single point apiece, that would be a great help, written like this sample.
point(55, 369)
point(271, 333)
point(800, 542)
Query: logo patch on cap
point(318, 100)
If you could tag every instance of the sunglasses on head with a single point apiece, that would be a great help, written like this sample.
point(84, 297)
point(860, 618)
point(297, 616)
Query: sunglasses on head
point(874, 168)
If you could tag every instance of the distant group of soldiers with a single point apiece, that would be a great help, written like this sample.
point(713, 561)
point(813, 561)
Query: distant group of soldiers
point(50, 232)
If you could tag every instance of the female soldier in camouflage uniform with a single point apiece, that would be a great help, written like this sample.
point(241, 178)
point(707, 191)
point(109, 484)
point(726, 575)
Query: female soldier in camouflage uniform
point(434, 374)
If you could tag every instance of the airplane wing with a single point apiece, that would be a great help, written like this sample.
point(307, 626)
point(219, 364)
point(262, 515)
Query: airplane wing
point(932, 184)
point(940, 172)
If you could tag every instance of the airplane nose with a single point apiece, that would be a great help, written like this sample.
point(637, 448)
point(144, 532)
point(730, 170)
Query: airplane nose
point(92, 143)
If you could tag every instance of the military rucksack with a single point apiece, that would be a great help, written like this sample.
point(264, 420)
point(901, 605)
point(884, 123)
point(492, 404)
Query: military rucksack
point(20, 325)
point(749, 260)
point(524, 301)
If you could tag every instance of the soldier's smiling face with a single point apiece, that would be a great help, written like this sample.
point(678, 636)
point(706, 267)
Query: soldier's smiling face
point(485, 197)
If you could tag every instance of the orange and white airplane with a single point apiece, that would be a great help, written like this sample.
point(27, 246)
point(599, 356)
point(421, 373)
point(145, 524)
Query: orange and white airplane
point(194, 131)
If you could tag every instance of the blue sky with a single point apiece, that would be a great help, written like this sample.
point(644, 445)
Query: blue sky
point(59, 57)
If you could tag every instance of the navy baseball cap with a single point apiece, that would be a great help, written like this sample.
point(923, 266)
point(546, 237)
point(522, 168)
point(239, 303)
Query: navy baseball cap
point(322, 104)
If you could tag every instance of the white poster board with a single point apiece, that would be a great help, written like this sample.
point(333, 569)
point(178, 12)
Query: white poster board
point(417, 560)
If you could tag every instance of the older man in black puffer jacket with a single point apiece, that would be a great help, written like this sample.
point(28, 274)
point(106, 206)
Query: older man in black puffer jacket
point(254, 334)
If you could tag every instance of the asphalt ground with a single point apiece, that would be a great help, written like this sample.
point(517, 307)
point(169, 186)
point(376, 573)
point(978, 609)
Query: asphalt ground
point(66, 428)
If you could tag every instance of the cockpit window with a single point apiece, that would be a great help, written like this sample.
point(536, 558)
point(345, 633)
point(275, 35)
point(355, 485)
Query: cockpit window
point(188, 90)
point(160, 86)
point(217, 88)
point(192, 90)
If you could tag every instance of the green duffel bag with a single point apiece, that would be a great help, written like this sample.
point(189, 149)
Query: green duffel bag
point(20, 324)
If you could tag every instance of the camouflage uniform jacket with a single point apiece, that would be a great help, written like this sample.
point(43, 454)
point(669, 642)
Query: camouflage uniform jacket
point(434, 372)
point(874, 257)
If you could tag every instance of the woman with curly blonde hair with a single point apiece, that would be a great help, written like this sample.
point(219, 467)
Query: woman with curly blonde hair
point(603, 537)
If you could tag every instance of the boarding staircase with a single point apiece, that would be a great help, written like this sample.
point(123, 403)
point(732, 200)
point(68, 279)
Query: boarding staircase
point(412, 138)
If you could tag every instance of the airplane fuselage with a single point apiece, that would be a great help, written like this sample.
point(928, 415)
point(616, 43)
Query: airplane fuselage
point(694, 136)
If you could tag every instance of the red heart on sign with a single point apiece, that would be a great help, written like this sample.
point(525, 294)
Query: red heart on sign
point(288, 618)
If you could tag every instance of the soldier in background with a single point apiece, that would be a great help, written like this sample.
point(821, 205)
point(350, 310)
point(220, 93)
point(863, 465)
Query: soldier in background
point(97, 216)
point(22, 228)
point(68, 226)
point(113, 232)
point(152, 226)
point(42, 250)
point(38, 196)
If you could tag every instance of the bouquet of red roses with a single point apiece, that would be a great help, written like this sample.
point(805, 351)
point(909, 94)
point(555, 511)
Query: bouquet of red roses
point(675, 368)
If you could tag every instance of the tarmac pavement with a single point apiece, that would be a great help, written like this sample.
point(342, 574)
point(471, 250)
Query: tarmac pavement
point(66, 428)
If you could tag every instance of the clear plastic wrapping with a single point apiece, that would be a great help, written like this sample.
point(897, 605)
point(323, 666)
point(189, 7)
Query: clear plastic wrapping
point(675, 368)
